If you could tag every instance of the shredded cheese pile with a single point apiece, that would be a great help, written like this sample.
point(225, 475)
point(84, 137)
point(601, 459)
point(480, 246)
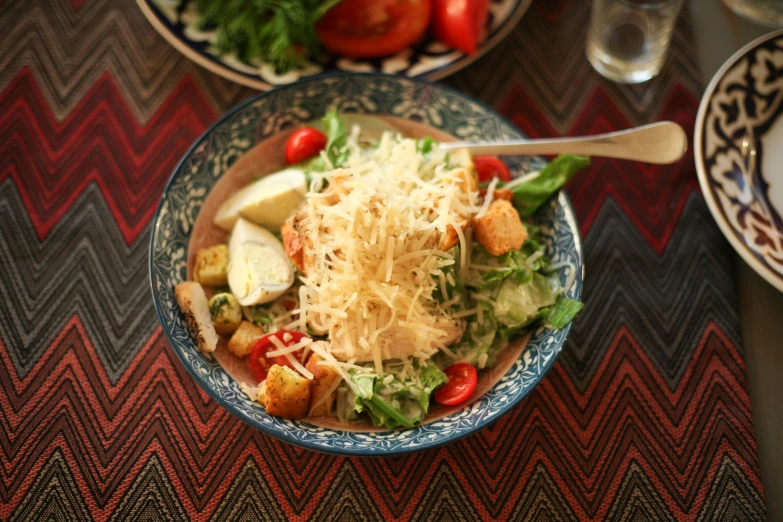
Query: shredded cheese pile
point(374, 253)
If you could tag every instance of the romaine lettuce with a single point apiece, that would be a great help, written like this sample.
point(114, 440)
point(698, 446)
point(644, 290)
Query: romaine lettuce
point(396, 403)
point(530, 195)
point(518, 305)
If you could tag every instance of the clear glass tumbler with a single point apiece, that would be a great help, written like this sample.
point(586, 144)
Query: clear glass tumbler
point(766, 12)
point(627, 39)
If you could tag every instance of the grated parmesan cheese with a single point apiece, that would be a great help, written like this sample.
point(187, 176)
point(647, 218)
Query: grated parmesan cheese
point(488, 198)
point(371, 247)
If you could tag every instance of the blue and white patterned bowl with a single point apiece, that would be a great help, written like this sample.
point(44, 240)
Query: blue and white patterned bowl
point(738, 144)
point(440, 108)
point(177, 22)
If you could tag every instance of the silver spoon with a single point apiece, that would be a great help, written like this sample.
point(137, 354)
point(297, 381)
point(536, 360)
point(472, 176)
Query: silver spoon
point(660, 143)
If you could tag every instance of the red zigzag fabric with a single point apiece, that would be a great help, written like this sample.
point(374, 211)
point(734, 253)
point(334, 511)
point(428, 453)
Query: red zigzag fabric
point(646, 414)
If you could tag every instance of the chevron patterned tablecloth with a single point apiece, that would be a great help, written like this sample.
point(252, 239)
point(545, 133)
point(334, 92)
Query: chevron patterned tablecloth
point(645, 416)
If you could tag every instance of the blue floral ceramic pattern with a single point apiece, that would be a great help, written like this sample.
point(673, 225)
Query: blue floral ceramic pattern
point(738, 133)
point(238, 131)
point(177, 21)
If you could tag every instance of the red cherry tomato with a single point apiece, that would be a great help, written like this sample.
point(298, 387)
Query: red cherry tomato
point(488, 167)
point(260, 363)
point(303, 144)
point(373, 28)
point(462, 381)
point(459, 23)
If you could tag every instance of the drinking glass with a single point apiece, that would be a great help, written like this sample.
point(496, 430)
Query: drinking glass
point(627, 39)
point(766, 12)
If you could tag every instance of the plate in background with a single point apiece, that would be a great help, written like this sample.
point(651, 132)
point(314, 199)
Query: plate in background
point(738, 144)
point(176, 21)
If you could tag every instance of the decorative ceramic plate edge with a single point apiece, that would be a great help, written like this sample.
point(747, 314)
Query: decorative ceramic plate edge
point(256, 83)
point(378, 437)
point(772, 277)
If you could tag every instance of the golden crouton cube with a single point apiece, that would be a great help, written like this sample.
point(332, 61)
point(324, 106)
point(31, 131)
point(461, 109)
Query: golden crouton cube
point(451, 238)
point(286, 393)
point(498, 194)
point(500, 229)
point(212, 266)
point(244, 338)
point(323, 379)
point(262, 394)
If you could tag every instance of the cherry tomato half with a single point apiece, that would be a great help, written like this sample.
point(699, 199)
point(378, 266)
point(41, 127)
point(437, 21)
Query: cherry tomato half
point(260, 363)
point(459, 23)
point(488, 167)
point(373, 28)
point(303, 144)
point(462, 381)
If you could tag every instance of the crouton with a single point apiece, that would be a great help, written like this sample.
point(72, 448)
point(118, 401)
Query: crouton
point(262, 394)
point(498, 194)
point(193, 303)
point(324, 378)
point(244, 338)
point(212, 266)
point(451, 238)
point(286, 393)
point(499, 230)
point(226, 313)
point(292, 241)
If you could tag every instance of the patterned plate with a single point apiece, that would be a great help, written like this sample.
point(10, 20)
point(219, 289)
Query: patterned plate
point(176, 21)
point(263, 120)
point(739, 153)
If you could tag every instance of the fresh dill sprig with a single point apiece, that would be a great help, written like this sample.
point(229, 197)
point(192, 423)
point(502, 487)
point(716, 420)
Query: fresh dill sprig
point(281, 32)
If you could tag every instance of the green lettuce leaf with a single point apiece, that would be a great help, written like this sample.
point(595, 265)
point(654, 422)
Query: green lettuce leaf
point(431, 377)
point(336, 138)
point(528, 196)
point(396, 403)
point(518, 305)
point(451, 289)
point(564, 312)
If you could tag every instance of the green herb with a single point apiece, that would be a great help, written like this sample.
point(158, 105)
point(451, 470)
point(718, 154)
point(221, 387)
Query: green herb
point(313, 335)
point(281, 32)
point(218, 301)
point(424, 145)
point(335, 145)
point(336, 138)
point(532, 194)
point(261, 318)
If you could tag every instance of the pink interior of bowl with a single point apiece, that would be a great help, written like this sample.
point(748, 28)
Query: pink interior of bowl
point(267, 157)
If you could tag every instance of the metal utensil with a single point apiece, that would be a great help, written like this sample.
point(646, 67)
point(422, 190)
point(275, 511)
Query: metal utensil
point(659, 143)
point(748, 168)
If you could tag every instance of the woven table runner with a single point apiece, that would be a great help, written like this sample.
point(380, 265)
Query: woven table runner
point(645, 416)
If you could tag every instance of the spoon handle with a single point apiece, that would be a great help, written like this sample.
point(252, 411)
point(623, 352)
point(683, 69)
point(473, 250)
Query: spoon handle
point(660, 143)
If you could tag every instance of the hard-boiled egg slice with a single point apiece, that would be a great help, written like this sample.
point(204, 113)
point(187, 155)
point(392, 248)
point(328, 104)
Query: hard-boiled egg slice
point(267, 202)
point(258, 268)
